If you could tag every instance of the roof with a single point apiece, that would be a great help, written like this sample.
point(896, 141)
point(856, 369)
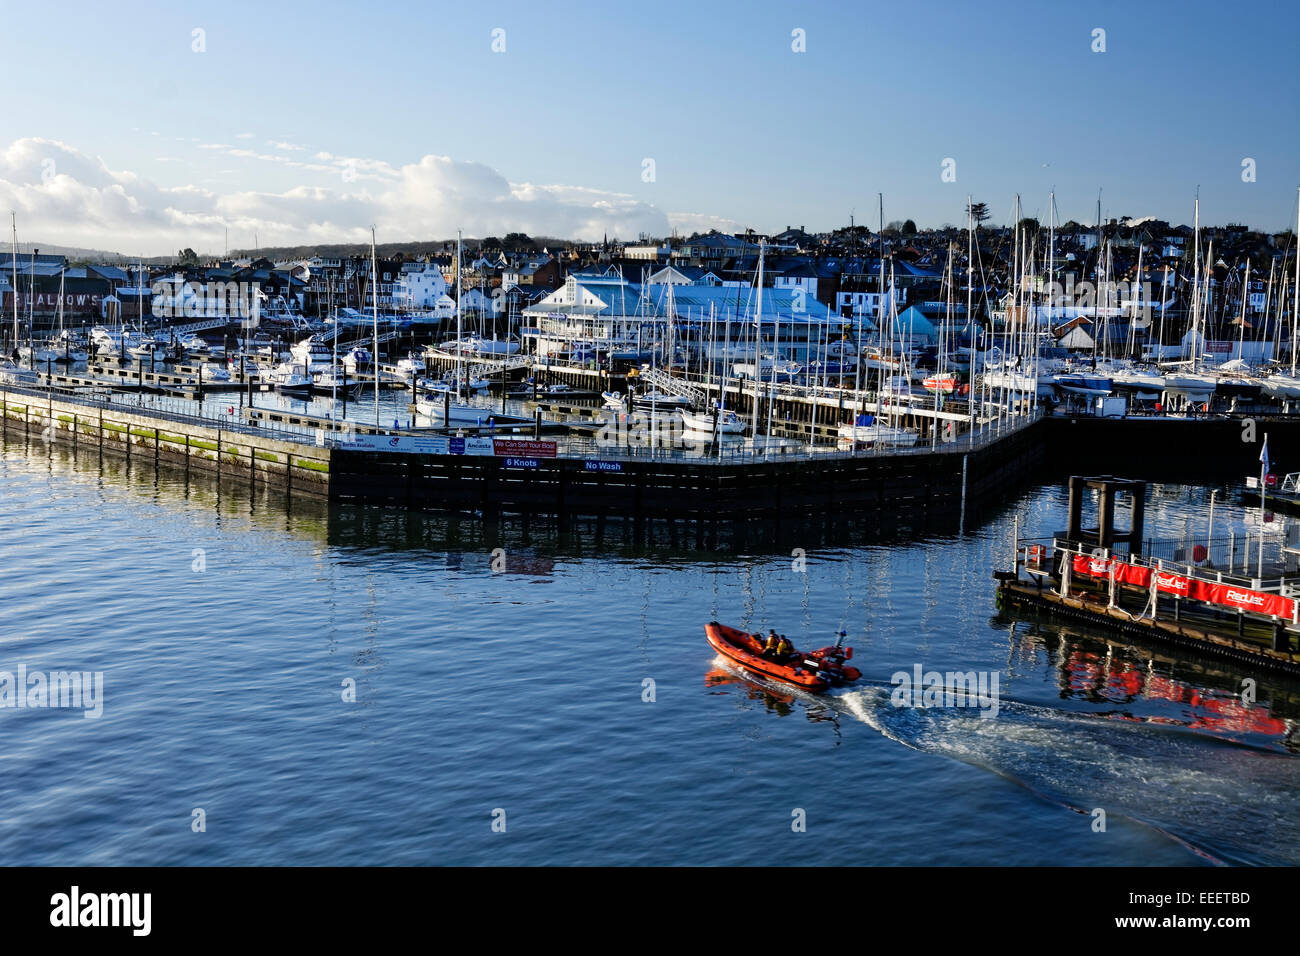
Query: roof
point(914, 320)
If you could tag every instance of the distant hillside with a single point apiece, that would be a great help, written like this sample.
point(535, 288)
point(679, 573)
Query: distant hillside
point(76, 254)
point(387, 250)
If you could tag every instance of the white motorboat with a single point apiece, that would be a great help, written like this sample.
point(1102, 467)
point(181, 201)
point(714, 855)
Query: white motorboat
point(39, 352)
point(411, 365)
point(312, 353)
point(356, 359)
point(1191, 383)
point(70, 346)
point(453, 384)
point(727, 423)
point(1279, 385)
point(867, 431)
point(452, 413)
point(1138, 378)
point(1082, 383)
point(651, 400)
point(785, 371)
point(289, 379)
point(477, 345)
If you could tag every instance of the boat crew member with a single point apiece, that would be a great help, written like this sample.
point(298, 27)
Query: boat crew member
point(783, 649)
point(770, 646)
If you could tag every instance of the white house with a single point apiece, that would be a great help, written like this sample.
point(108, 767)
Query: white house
point(420, 285)
point(478, 302)
point(866, 303)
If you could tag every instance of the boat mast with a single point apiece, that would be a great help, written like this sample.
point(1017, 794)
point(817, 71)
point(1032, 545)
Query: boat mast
point(1295, 302)
point(758, 346)
point(13, 218)
point(888, 366)
point(374, 292)
point(776, 355)
point(460, 346)
point(1096, 292)
point(1132, 322)
point(970, 282)
point(1196, 276)
point(1241, 332)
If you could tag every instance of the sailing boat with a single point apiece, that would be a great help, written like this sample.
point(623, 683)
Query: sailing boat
point(866, 431)
point(1192, 386)
point(1279, 385)
point(444, 410)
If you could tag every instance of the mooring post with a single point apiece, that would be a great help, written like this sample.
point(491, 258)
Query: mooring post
point(961, 523)
point(1074, 517)
point(1015, 546)
point(537, 424)
point(1281, 639)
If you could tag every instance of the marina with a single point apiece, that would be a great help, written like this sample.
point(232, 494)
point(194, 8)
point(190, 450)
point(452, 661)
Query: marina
point(535, 441)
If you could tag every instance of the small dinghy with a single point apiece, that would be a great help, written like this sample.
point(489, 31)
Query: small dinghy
point(813, 671)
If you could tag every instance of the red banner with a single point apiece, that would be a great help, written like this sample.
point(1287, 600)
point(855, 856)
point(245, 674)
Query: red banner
point(517, 448)
point(1211, 592)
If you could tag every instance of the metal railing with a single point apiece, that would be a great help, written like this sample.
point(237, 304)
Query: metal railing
point(1239, 563)
point(166, 408)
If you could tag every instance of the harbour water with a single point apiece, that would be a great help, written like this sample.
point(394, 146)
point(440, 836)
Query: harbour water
point(561, 688)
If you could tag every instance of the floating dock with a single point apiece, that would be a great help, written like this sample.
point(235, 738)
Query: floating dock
point(1110, 579)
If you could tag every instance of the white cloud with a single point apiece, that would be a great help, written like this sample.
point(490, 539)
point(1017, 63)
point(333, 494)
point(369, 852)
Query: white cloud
point(243, 136)
point(690, 222)
point(67, 197)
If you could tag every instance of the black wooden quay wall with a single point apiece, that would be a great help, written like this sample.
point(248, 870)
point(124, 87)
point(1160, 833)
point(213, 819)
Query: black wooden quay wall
point(950, 480)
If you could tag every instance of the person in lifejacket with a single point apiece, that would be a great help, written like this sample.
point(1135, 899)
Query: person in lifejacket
point(784, 649)
point(770, 645)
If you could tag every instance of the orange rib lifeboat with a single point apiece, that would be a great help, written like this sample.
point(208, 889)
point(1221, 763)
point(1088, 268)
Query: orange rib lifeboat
point(814, 671)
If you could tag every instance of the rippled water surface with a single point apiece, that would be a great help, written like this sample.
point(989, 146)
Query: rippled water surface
point(227, 624)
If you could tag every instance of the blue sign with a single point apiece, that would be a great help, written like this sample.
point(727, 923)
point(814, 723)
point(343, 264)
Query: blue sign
point(603, 465)
point(458, 446)
point(521, 462)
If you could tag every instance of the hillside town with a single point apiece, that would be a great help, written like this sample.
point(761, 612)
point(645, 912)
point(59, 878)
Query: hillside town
point(929, 277)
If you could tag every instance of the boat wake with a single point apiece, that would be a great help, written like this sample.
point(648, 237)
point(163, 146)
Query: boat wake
point(1225, 801)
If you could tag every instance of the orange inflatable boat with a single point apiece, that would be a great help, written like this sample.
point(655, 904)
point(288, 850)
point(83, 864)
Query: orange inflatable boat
point(814, 671)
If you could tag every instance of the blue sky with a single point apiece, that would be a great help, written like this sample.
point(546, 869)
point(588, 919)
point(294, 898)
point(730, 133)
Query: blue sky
point(126, 133)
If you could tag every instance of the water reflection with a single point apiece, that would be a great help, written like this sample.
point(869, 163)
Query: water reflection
point(1148, 684)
